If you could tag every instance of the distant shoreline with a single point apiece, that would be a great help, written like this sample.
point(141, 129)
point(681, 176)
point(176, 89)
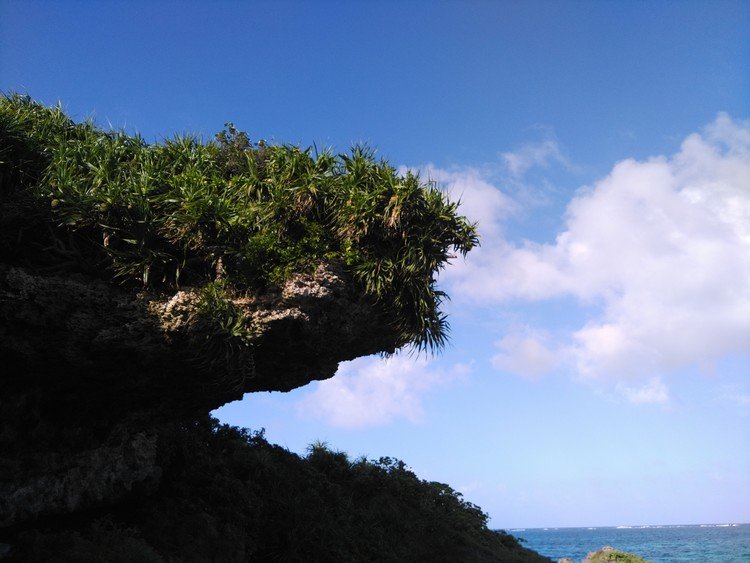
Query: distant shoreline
point(665, 543)
point(634, 527)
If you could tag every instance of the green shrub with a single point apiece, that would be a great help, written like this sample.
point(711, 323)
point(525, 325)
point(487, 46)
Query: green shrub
point(185, 212)
point(229, 495)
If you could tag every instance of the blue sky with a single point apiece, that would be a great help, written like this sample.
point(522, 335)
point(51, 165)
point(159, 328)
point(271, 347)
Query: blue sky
point(599, 371)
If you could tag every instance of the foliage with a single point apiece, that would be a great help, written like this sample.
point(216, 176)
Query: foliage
point(229, 495)
point(185, 212)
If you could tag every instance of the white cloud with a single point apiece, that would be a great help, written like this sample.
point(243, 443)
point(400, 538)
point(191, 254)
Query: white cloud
point(658, 249)
point(533, 155)
point(654, 391)
point(525, 354)
point(735, 394)
point(742, 400)
point(658, 252)
point(375, 391)
point(480, 199)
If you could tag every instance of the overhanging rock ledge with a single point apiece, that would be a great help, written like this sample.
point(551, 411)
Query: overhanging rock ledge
point(92, 371)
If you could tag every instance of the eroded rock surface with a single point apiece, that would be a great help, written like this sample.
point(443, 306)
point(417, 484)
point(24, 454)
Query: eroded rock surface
point(90, 371)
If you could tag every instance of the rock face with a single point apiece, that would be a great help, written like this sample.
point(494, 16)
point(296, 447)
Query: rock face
point(610, 554)
point(90, 372)
point(105, 390)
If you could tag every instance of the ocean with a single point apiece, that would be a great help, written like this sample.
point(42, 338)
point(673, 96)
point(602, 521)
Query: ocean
point(706, 543)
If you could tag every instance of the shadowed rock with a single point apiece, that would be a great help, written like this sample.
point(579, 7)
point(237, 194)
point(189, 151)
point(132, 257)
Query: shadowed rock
point(142, 286)
point(90, 372)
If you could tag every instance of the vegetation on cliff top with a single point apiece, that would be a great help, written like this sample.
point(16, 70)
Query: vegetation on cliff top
point(187, 212)
point(228, 217)
point(229, 495)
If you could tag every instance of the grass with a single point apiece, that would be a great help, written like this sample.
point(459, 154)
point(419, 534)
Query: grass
point(248, 215)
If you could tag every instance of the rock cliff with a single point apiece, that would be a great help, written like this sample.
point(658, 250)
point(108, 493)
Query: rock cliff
point(142, 286)
point(91, 370)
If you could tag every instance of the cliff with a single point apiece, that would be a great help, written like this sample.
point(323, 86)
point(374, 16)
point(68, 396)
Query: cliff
point(90, 370)
point(142, 286)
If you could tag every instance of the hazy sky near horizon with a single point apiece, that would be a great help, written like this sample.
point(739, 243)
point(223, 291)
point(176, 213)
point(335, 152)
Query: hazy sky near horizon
point(599, 370)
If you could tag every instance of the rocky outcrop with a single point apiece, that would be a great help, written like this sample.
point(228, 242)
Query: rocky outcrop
point(110, 363)
point(609, 554)
point(84, 479)
point(91, 371)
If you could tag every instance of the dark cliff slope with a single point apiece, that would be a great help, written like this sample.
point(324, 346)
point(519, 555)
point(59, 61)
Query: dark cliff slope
point(228, 495)
point(142, 286)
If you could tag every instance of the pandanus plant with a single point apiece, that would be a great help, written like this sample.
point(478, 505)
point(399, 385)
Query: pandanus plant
point(188, 212)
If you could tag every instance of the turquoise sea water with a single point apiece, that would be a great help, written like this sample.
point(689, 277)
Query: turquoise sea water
point(707, 543)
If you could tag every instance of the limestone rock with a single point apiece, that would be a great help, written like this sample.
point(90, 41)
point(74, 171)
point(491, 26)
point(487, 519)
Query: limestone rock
point(90, 371)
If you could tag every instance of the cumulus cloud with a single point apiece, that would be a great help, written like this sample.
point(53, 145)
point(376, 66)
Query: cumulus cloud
point(376, 391)
point(657, 253)
point(735, 394)
point(531, 155)
point(654, 391)
point(659, 250)
point(480, 200)
point(525, 354)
